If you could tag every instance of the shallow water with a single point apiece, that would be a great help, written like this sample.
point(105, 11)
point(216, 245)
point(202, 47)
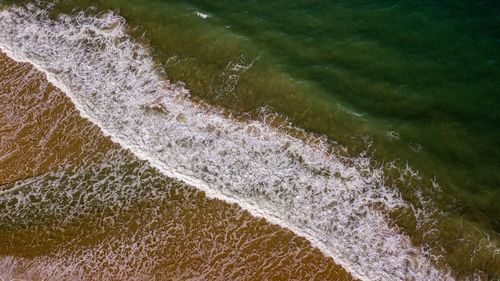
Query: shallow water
point(96, 212)
point(419, 79)
point(415, 101)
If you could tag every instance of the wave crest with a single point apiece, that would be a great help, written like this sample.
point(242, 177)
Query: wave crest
point(337, 203)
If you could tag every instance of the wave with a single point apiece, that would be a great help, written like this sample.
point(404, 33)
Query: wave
point(338, 203)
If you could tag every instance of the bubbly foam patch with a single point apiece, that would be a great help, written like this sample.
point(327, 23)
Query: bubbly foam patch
point(335, 202)
point(119, 219)
point(202, 15)
point(89, 199)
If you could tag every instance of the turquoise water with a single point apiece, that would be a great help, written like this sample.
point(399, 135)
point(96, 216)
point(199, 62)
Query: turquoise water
point(417, 80)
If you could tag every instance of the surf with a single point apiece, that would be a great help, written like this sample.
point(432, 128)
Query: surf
point(305, 184)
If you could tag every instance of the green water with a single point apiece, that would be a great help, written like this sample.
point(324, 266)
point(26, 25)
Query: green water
point(418, 78)
point(427, 71)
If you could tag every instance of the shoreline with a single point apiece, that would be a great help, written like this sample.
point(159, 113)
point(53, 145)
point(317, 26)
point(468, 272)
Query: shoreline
point(211, 201)
point(143, 150)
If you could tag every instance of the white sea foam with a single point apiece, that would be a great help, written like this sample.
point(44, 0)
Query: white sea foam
point(226, 82)
point(100, 200)
point(94, 192)
point(202, 15)
point(337, 203)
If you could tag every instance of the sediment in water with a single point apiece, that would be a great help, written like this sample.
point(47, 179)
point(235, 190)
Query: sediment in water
point(98, 213)
point(337, 203)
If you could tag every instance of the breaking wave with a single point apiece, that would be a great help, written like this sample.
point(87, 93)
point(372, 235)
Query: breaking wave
point(338, 203)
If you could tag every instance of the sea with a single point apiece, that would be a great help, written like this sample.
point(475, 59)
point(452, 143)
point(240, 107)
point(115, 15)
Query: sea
point(249, 140)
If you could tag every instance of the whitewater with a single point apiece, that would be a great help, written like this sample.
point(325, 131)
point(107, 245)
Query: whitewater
point(340, 204)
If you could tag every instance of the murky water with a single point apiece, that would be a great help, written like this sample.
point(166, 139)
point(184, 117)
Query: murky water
point(82, 208)
point(376, 177)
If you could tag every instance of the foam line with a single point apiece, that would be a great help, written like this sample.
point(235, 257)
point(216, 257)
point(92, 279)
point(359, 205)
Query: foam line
point(335, 202)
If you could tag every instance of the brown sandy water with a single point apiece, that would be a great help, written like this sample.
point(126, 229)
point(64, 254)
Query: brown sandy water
point(39, 129)
point(75, 206)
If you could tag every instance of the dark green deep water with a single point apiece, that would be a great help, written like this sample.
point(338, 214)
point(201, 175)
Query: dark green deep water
point(427, 71)
point(420, 79)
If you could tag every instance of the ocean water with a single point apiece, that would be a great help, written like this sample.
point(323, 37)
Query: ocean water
point(362, 135)
point(76, 206)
